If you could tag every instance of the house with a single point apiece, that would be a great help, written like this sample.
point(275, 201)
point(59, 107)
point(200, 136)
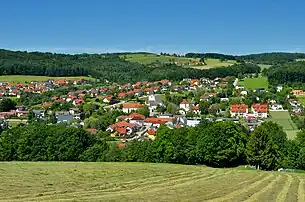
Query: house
point(39, 114)
point(107, 99)
point(133, 118)
point(78, 102)
point(298, 92)
point(122, 128)
point(276, 107)
point(153, 102)
point(279, 88)
point(150, 121)
point(151, 134)
point(130, 107)
point(192, 122)
point(260, 110)
point(61, 118)
point(244, 92)
point(185, 105)
point(22, 113)
point(239, 110)
point(121, 95)
point(92, 130)
point(224, 99)
point(196, 110)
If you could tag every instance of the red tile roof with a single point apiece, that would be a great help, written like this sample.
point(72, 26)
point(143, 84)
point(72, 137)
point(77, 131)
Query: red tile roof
point(151, 132)
point(132, 105)
point(157, 120)
point(239, 108)
point(260, 108)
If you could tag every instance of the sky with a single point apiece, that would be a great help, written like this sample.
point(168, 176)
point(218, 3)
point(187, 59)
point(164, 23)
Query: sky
point(174, 26)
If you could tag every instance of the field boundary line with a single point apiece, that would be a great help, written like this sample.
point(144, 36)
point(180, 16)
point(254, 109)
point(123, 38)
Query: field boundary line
point(283, 194)
point(269, 186)
point(238, 192)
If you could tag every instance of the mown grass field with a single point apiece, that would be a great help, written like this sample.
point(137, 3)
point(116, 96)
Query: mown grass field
point(28, 78)
point(59, 181)
point(301, 99)
point(253, 83)
point(149, 58)
point(214, 63)
point(283, 119)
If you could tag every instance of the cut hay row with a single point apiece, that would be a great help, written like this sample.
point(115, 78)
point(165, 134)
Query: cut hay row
point(149, 188)
point(283, 193)
point(50, 181)
point(301, 192)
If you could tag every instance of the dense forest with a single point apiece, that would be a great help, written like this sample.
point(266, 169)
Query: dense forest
point(217, 144)
point(262, 58)
point(105, 66)
point(286, 73)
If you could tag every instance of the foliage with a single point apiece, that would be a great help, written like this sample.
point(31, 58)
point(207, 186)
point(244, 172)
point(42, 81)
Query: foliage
point(261, 58)
point(105, 66)
point(286, 73)
point(7, 105)
point(39, 142)
point(266, 146)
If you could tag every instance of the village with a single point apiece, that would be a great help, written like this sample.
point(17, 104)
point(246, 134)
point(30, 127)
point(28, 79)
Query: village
point(143, 107)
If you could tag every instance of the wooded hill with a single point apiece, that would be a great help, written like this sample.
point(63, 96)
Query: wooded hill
point(261, 58)
point(105, 66)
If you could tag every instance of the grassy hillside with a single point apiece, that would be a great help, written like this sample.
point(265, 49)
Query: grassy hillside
point(149, 58)
point(25, 78)
point(214, 63)
point(50, 181)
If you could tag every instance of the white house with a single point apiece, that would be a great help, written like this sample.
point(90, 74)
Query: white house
point(185, 105)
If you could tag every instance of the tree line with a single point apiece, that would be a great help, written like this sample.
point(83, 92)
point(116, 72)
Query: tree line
point(217, 144)
point(288, 73)
point(261, 58)
point(104, 66)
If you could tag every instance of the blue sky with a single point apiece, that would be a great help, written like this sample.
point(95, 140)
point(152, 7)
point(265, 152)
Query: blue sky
point(226, 26)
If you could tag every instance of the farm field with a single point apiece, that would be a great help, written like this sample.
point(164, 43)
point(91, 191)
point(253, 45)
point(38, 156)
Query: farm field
point(69, 181)
point(214, 63)
point(301, 99)
point(149, 58)
point(253, 83)
point(28, 78)
point(283, 119)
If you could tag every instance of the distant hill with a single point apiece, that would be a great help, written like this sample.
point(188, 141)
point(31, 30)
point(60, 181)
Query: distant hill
point(261, 58)
point(113, 67)
point(83, 181)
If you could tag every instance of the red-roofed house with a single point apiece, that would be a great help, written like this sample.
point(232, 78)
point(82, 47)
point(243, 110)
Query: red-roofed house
point(121, 95)
point(151, 134)
point(185, 105)
point(150, 121)
point(130, 107)
point(260, 110)
point(121, 128)
point(78, 101)
point(239, 110)
point(92, 130)
point(196, 109)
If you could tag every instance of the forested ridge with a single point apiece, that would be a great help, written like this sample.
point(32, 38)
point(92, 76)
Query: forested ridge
point(105, 66)
point(262, 58)
point(287, 73)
